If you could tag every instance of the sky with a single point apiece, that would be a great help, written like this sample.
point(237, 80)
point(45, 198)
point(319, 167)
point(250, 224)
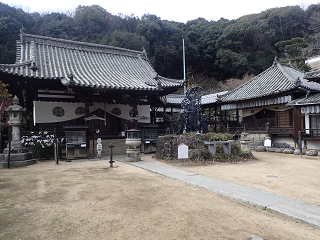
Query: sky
point(172, 10)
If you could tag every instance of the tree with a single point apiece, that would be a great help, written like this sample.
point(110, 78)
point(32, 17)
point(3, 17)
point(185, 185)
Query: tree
point(293, 51)
point(9, 31)
point(201, 37)
point(11, 21)
point(231, 63)
point(56, 25)
point(288, 22)
point(313, 16)
point(235, 46)
point(5, 99)
point(150, 27)
point(92, 22)
point(127, 40)
point(165, 44)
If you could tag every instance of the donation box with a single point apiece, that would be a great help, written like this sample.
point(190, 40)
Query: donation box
point(76, 146)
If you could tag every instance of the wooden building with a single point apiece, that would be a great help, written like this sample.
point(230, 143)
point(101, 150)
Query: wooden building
point(62, 82)
point(261, 104)
point(309, 107)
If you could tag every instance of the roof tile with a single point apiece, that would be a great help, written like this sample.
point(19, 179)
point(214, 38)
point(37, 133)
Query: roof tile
point(91, 65)
point(276, 79)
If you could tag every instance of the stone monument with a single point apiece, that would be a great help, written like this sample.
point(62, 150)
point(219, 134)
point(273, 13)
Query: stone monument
point(16, 153)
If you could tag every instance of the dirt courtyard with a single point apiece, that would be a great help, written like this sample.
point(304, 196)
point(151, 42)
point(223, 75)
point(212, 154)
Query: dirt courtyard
point(90, 200)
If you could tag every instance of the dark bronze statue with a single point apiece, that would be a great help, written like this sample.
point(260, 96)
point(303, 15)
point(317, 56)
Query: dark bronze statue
point(181, 120)
point(192, 106)
point(204, 124)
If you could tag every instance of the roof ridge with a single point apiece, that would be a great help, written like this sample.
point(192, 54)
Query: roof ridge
point(10, 65)
point(289, 77)
point(79, 45)
point(252, 79)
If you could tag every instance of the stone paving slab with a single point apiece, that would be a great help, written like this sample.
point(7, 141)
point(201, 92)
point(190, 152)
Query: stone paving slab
point(288, 207)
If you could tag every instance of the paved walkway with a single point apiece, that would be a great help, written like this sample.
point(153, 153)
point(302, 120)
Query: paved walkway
point(288, 207)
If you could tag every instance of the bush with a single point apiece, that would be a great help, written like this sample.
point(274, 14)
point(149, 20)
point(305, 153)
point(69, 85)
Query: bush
point(41, 151)
point(221, 137)
point(235, 156)
point(41, 145)
point(163, 148)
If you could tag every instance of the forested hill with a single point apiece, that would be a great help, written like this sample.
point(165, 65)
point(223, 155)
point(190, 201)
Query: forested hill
point(215, 50)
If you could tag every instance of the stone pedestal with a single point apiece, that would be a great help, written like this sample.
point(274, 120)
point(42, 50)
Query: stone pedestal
point(19, 157)
point(245, 142)
point(245, 146)
point(133, 155)
point(297, 152)
point(213, 146)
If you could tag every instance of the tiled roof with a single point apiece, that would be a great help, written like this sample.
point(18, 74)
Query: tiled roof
point(85, 64)
point(211, 98)
point(174, 99)
point(306, 100)
point(276, 79)
point(311, 75)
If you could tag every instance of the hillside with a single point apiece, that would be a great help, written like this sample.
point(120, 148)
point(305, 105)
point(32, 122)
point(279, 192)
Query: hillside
point(215, 50)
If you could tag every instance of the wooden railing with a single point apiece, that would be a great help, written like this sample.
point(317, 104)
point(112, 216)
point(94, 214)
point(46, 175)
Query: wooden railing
point(310, 133)
point(281, 130)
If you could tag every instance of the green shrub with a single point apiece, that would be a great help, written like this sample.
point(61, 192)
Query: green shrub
point(235, 156)
point(41, 145)
point(221, 137)
point(44, 151)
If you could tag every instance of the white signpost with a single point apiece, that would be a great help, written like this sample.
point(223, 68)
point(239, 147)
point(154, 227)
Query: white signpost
point(99, 147)
point(267, 143)
point(182, 151)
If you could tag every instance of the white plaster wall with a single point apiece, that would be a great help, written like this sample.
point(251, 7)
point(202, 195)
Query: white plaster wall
point(307, 123)
point(313, 145)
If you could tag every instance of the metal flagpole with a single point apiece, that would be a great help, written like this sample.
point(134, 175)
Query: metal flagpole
point(184, 68)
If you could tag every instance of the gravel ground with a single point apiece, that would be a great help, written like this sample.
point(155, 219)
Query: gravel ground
point(89, 200)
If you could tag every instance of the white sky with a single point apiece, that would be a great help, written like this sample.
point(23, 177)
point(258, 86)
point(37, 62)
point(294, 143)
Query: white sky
point(179, 11)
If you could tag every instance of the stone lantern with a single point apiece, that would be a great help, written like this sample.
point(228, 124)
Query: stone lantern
point(245, 142)
point(15, 116)
point(15, 155)
point(133, 141)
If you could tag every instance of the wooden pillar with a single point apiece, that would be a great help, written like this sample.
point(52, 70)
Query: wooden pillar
point(86, 105)
point(135, 113)
point(237, 112)
point(296, 121)
point(153, 115)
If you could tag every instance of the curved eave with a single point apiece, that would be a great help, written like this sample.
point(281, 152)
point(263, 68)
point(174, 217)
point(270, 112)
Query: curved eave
point(309, 85)
point(275, 80)
point(14, 73)
point(106, 88)
point(275, 93)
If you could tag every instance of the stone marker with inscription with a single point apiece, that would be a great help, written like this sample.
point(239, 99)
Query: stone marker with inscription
point(182, 151)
